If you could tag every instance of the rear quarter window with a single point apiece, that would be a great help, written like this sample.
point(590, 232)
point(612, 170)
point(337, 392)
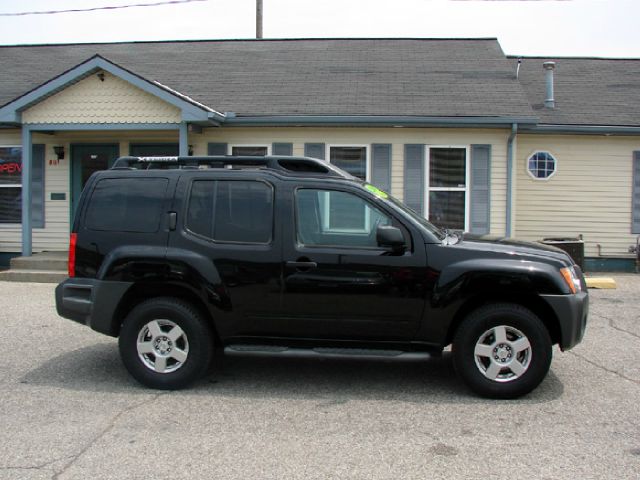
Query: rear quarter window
point(234, 211)
point(126, 205)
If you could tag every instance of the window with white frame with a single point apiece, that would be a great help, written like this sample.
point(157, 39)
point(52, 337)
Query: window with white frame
point(541, 165)
point(352, 159)
point(10, 185)
point(249, 150)
point(447, 187)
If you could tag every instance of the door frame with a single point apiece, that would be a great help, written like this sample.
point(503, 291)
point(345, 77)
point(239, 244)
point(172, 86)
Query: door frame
point(75, 172)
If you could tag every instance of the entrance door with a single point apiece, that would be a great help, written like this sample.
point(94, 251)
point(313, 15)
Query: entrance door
point(85, 160)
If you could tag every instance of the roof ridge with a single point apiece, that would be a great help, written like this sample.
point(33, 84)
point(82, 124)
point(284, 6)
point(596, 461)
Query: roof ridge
point(254, 40)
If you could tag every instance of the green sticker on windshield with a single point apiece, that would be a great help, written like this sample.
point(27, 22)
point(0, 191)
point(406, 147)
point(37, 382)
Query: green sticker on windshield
point(376, 191)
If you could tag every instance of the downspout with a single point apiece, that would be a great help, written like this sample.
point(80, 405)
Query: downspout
point(27, 177)
point(512, 137)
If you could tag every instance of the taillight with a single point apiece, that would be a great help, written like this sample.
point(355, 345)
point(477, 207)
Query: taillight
point(73, 238)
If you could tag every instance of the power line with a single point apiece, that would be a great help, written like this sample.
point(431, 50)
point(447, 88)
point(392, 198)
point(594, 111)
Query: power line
point(93, 9)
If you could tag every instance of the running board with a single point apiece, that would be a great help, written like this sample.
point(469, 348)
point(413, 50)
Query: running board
point(324, 352)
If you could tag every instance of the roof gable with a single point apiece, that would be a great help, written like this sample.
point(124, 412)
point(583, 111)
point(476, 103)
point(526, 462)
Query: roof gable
point(190, 110)
point(101, 98)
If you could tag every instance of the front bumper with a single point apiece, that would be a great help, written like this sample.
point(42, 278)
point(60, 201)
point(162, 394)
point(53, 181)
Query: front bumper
point(572, 312)
point(91, 302)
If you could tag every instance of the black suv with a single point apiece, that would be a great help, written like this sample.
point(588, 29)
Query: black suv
point(181, 256)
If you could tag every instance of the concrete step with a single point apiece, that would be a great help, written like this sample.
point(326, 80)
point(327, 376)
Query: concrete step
point(34, 276)
point(41, 261)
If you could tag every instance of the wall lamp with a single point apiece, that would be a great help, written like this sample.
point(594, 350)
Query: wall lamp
point(59, 151)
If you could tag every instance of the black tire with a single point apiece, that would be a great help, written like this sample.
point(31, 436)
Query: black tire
point(194, 343)
point(523, 368)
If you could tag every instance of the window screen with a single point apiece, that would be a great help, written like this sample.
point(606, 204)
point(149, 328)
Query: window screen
point(447, 188)
point(126, 205)
point(231, 211)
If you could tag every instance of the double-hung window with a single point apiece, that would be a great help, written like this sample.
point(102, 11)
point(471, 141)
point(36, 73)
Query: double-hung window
point(447, 184)
point(10, 185)
point(352, 159)
point(250, 150)
point(346, 213)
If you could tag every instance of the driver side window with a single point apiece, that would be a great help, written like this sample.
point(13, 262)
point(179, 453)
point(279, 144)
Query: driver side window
point(334, 218)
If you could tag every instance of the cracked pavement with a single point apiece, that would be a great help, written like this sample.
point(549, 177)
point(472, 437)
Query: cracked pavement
point(68, 410)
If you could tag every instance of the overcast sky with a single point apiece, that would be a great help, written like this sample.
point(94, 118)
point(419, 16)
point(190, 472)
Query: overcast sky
point(537, 27)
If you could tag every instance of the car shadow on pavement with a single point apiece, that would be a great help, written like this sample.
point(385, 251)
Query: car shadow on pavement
point(98, 368)
point(431, 381)
point(95, 368)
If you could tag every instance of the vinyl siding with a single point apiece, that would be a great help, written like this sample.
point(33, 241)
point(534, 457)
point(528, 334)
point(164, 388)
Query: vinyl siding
point(57, 217)
point(397, 137)
point(55, 234)
point(590, 193)
point(94, 101)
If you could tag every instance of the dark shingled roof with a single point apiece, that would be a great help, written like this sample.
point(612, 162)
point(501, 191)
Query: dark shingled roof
point(588, 91)
point(412, 77)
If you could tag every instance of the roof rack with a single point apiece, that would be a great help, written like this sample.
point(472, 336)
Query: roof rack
point(284, 164)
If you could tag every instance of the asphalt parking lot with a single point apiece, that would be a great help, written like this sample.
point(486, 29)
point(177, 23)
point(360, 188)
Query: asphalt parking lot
point(69, 410)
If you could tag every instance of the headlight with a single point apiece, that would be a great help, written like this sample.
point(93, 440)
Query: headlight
point(571, 278)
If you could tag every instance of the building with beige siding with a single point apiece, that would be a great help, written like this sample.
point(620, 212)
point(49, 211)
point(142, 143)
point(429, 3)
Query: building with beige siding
point(468, 137)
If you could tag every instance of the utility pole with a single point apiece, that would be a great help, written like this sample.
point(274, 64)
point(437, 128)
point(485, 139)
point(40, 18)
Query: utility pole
point(258, 18)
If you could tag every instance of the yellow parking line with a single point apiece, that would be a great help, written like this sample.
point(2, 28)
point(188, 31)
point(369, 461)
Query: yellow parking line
point(600, 282)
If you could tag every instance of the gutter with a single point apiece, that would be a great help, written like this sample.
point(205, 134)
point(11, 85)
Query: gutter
point(512, 137)
point(582, 129)
point(375, 121)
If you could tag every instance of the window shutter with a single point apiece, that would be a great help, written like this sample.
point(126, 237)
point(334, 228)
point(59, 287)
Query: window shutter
point(216, 149)
point(635, 207)
point(37, 186)
point(282, 149)
point(381, 166)
point(480, 200)
point(314, 150)
point(414, 177)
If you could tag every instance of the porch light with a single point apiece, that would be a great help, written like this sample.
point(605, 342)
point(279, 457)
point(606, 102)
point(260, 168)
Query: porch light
point(59, 151)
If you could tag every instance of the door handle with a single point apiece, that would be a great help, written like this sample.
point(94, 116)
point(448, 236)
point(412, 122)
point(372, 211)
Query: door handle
point(173, 220)
point(302, 265)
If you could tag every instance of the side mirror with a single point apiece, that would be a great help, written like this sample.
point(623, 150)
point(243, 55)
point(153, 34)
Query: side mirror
point(390, 237)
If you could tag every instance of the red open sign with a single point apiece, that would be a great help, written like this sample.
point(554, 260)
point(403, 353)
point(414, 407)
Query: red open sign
point(12, 167)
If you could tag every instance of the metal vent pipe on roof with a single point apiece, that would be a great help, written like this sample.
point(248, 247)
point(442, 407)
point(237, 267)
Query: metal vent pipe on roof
point(258, 19)
point(549, 67)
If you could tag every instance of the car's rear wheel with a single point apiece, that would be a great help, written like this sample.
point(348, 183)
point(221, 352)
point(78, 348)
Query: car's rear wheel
point(165, 343)
point(502, 351)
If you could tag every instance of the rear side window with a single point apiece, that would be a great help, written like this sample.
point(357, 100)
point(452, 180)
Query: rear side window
point(126, 205)
point(231, 211)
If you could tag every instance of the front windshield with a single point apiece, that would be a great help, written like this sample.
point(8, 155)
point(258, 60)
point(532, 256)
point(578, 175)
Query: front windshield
point(409, 211)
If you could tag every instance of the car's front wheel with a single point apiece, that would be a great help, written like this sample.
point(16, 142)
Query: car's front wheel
point(165, 343)
point(502, 351)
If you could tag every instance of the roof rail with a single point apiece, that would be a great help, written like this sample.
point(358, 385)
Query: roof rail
point(284, 164)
